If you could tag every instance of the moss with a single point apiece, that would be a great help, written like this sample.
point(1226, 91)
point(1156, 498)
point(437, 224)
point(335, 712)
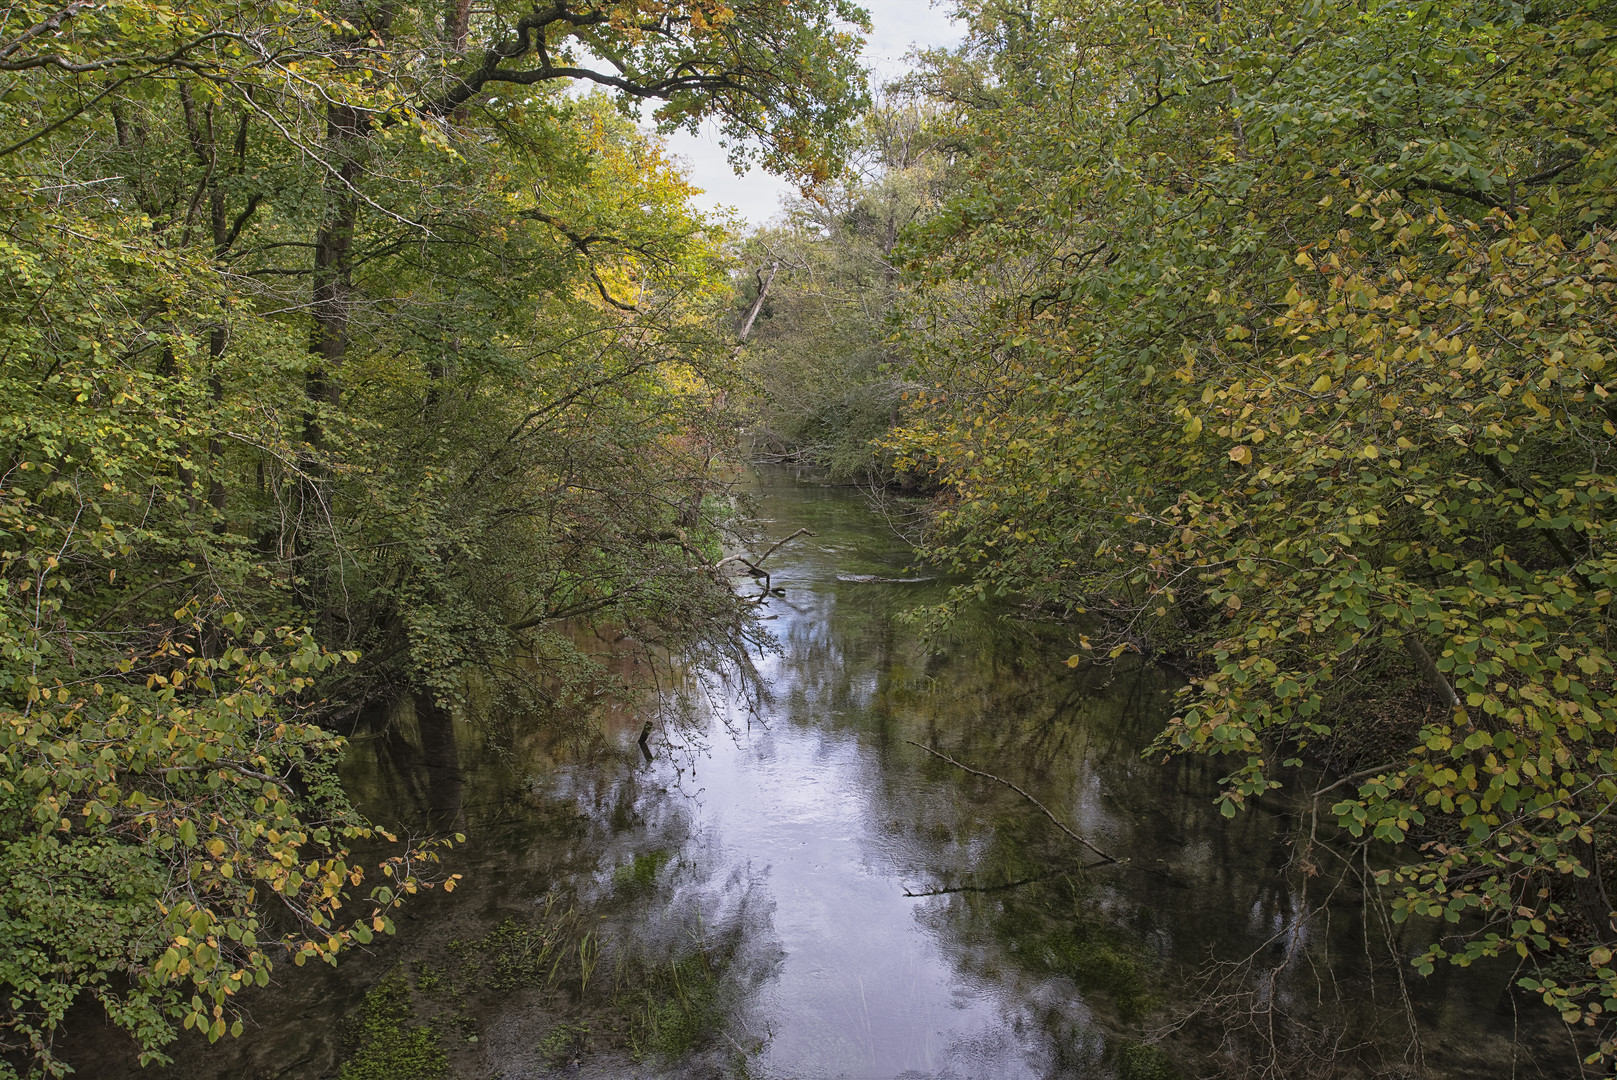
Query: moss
point(387, 1046)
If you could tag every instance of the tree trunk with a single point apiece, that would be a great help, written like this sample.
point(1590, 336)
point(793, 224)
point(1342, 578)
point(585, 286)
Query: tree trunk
point(333, 271)
point(758, 304)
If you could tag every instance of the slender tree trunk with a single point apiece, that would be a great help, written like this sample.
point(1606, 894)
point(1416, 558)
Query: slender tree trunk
point(330, 311)
point(1593, 902)
point(333, 271)
point(757, 305)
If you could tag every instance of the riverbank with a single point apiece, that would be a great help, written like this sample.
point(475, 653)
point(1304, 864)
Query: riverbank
point(792, 889)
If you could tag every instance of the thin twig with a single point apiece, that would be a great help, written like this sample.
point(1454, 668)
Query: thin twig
point(1001, 780)
point(985, 888)
point(1362, 774)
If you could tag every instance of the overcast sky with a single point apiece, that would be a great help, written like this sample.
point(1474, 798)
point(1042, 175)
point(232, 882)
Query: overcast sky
point(897, 27)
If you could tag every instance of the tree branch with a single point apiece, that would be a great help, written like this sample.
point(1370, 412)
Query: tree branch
point(1106, 858)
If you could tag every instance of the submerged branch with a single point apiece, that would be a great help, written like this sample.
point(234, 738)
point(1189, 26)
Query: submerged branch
point(756, 565)
point(1106, 858)
point(1018, 883)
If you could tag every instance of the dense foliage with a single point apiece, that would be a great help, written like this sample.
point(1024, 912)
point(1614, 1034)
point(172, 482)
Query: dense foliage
point(343, 349)
point(826, 379)
point(1281, 336)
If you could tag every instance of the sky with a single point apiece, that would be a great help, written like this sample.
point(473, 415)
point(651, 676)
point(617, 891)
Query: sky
point(897, 27)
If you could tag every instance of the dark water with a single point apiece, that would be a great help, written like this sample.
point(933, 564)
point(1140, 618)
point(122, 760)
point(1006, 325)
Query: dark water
point(792, 889)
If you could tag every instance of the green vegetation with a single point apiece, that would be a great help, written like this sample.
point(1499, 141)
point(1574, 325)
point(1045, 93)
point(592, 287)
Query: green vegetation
point(386, 1045)
point(826, 384)
point(523, 955)
point(644, 1006)
point(640, 874)
point(674, 1006)
point(542, 952)
point(564, 1044)
point(1092, 961)
point(1142, 1061)
point(344, 352)
point(1281, 337)
point(1049, 922)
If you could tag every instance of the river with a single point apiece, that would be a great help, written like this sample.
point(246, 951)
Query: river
point(791, 888)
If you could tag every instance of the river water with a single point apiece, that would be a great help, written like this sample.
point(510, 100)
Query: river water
point(792, 889)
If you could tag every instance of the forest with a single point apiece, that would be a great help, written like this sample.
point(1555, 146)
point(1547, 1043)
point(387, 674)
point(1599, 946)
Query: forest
point(363, 352)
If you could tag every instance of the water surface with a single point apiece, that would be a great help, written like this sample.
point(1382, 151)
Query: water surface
point(822, 898)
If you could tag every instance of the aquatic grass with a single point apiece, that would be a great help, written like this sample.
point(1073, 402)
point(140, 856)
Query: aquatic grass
point(387, 1046)
point(536, 953)
point(589, 955)
point(640, 875)
point(673, 1005)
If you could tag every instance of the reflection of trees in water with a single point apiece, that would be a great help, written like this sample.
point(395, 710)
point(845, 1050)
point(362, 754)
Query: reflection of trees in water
point(1083, 960)
point(1232, 938)
point(684, 939)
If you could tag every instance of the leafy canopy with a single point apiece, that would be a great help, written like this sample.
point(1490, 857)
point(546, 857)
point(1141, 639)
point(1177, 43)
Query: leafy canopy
point(1283, 336)
point(344, 354)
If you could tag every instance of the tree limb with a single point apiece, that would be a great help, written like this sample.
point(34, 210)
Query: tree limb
point(1105, 857)
point(758, 304)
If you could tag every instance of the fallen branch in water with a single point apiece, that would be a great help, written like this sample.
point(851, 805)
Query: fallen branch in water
point(984, 888)
point(756, 565)
point(1105, 858)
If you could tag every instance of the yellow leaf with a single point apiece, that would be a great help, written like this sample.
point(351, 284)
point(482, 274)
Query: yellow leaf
point(1321, 384)
point(1240, 455)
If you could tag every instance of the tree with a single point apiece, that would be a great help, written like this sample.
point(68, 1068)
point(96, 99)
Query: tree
point(340, 359)
point(828, 382)
point(1280, 337)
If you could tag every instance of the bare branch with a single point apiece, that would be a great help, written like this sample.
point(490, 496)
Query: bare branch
point(1106, 858)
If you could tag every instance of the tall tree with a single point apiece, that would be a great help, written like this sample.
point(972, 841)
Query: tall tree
point(341, 354)
point(1281, 337)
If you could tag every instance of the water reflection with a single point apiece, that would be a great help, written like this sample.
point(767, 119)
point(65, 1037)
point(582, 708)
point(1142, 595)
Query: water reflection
point(783, 886)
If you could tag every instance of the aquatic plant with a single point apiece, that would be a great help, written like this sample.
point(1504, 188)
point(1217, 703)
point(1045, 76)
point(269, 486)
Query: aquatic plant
point(1143, 1061)
point(674, 1007)
point(641, 874)
point(388, 1046)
